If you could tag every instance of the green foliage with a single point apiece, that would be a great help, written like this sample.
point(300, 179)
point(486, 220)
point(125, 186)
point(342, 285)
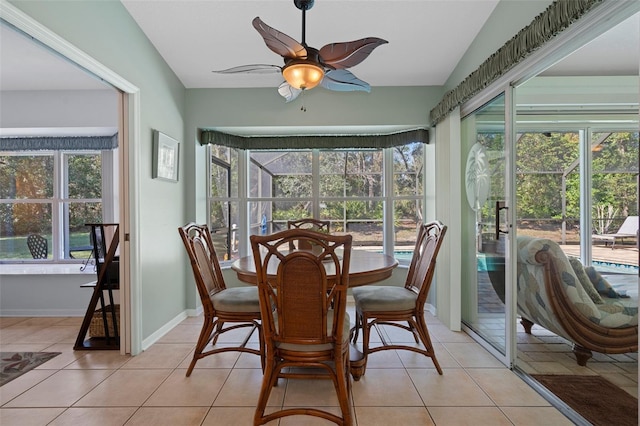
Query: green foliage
point(287, 186)
point(85, 176)
point(363, 210)
point(298, 211)
point(31, 178)
point(543, 159)
point(408, 168)
point(615, 171)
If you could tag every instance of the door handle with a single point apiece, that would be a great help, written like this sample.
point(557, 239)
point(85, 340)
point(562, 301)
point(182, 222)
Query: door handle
point(500, 205)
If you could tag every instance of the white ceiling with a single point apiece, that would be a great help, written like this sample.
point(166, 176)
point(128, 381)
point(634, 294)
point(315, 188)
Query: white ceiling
point(426, 38)
point(616, 52)
point(196, 37)
point(27, 65)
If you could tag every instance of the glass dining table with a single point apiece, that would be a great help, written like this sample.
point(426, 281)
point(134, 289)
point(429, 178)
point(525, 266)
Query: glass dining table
point(366, 268)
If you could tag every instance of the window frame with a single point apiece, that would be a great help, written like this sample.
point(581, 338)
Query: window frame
point(388, 197)
point(60, 200)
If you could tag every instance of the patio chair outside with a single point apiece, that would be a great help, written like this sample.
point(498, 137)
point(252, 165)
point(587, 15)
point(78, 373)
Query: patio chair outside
point(628, 229)
point(37, 246)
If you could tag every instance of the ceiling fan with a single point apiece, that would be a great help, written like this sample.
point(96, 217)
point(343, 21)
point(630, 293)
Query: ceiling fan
point(306, 67)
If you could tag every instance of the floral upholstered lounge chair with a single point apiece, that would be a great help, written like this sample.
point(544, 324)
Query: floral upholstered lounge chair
point(551, 294)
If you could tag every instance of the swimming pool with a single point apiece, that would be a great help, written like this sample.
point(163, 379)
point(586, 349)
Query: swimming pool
point(403, 255)
point(616, 268)
point(604, 267)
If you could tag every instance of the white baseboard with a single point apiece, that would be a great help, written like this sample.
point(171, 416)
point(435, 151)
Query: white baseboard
point(194, 312)
point(429, 307)
point(146, 343)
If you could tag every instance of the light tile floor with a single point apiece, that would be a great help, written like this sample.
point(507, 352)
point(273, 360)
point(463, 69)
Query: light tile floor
point(399, 388)
point(543, 352)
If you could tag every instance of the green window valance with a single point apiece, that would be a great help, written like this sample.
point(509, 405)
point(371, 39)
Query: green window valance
point(59, 143)
point(555, 19)
point(313, 141)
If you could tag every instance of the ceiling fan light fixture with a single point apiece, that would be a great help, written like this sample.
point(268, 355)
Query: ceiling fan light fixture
point(301, 74)
point(306, 67)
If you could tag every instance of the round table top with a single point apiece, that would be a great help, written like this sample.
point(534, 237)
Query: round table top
point(366, 267)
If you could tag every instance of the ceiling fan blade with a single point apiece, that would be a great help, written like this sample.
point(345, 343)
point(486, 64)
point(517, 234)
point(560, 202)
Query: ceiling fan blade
point(343, 81)
point(279, 42)
point(253, 69)
point(348, 54)
point(288, 92)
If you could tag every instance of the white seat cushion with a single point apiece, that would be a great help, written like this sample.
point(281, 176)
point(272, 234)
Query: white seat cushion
point(375, 298)
point(237, 299)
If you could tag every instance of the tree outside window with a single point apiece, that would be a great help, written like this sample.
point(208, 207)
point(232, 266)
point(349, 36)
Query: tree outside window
point(50, 194)
point(345, 186)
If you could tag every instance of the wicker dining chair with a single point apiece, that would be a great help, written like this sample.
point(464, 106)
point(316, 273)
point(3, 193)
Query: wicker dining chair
point(238, 306)
point(304, 318)
point(396, 305)
point(312, 224)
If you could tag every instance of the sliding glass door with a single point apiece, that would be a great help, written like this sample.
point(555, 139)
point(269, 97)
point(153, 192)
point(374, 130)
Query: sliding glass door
point(484, 283)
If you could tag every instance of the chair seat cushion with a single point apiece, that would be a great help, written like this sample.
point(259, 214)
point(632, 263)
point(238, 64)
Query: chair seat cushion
point(374, 298)
point(346, 327)
point(237, 299)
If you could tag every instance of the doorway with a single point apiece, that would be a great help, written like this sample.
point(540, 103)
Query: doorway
point(127, 114)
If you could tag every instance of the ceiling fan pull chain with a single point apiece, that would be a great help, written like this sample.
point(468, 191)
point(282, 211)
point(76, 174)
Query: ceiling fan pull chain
point(303, 108)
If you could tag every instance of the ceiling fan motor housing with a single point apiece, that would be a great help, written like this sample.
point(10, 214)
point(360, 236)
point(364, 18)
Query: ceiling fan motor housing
point(303, 4)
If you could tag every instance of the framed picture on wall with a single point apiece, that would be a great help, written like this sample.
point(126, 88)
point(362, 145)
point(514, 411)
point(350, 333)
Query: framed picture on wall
point(166, 152)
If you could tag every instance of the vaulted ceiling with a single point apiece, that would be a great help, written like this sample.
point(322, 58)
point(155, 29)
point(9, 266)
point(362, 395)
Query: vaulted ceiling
point(426, 38)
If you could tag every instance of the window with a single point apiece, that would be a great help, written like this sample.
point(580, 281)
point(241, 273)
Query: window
point(224, 217)
point(548, 181)
point(348, 187)
point(351, 190)
point(614, 188)
point(51, 194)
